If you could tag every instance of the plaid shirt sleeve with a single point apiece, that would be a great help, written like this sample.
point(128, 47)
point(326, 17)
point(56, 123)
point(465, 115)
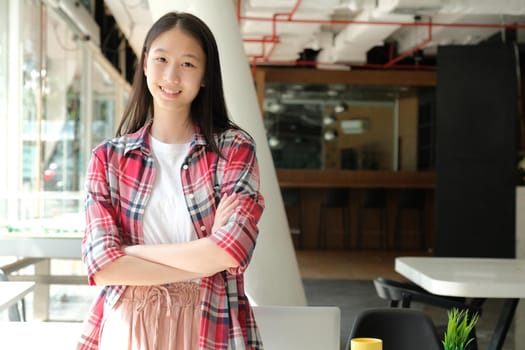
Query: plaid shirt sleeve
point(101, 242)
point(240, 174)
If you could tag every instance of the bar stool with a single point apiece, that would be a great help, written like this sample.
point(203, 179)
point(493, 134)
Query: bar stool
point(334, 198)
point(373, 199)
point(410, 199)
point(292, 200)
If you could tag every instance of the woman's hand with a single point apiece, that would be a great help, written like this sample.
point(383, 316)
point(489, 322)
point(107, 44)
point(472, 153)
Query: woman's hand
point(225, 210)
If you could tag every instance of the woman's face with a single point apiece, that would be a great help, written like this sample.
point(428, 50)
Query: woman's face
point(174, 68)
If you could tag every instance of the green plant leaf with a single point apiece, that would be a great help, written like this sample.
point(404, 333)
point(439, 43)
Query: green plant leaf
point(458, 329)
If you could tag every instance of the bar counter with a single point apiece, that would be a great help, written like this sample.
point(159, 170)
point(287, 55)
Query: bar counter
point(304, 219)
point(355, 179)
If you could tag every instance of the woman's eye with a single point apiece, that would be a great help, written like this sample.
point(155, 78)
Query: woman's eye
point(188, 64)
point(160, 59)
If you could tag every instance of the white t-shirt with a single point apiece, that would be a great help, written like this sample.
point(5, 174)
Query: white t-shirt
point(166, 216)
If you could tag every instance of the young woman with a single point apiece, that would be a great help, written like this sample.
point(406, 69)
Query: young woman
point(172, 206)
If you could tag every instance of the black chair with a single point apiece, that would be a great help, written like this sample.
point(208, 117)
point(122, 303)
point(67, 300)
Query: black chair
point(414, 200)
point(399, 329)
point(292, 200)
point(335, 198)
point(375, 199)
point(401, 294)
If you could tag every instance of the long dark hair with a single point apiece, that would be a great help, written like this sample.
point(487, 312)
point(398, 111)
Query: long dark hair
point(208, 109)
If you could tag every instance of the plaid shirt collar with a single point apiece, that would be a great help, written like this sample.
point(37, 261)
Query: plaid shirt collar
point(140, 139)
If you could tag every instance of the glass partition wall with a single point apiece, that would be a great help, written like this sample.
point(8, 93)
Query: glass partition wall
point(64, 101)
point(338, 126)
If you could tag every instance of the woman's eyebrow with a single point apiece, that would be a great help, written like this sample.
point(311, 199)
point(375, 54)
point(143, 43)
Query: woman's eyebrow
point(190, 55)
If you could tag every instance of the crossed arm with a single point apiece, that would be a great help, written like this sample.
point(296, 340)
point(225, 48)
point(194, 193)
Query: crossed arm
point(168, 263)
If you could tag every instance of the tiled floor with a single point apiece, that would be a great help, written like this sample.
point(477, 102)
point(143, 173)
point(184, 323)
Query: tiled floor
point(349, 264)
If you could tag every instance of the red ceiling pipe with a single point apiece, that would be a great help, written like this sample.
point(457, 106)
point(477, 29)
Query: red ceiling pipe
point(274, 38)
point(253, 65)
point(389, 23)
point(410, 52)
point(263, 56)
point(288, 16)
point(264, 39)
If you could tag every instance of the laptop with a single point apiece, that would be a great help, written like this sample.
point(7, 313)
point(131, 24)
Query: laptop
point(299, 327)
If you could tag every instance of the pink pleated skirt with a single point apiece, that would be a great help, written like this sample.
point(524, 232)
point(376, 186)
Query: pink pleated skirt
point(154, 318)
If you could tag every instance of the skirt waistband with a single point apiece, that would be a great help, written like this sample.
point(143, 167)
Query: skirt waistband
point(182, 293)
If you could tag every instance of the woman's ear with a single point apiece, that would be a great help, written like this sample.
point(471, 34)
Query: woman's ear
point(203, 84)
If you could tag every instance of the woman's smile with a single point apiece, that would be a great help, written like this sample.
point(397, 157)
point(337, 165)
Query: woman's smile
point(170, 92)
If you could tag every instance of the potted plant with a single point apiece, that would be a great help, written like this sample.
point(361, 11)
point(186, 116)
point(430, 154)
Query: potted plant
point(458, 329)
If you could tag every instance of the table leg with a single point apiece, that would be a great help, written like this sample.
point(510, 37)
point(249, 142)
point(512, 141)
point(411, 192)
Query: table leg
point(41, 293)
point(504, 321)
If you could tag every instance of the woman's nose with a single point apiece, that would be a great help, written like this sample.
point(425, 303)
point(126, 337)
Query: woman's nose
point(172, 73)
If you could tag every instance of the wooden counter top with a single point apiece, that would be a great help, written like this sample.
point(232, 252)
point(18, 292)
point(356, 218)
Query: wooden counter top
point(355, 178)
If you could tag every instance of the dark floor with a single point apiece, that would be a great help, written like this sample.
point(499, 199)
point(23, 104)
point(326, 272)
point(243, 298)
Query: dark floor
point(352, 296)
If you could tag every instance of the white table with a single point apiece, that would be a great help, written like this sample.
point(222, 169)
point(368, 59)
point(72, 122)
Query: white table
point(48, 246)
point(281, 327)
point(471, 278)
point(40, 246)
point(299, 327)
point(12, 292)
point(39, 335)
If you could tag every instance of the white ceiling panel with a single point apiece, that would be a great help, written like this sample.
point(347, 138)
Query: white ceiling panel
point(408, 38)
point(288, 49)
point(345, 42)
point(483, 7)
point(289, 4)
point(251, 27)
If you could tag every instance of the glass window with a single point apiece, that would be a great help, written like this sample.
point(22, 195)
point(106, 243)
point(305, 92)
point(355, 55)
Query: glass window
point(3, 60)
point(51, 118)
point(3, 101)
point(61, 110)
point(31, 92)
point(63, 98)
point(294, 129)
point(104, 104)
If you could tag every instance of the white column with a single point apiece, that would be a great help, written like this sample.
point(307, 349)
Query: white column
point(273, 277)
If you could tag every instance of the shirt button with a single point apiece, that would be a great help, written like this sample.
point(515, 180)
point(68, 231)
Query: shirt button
point(185, 167)
point(203, 228)
point(191, 196)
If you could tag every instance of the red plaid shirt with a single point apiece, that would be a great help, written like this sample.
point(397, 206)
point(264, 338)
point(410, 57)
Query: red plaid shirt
point(119, 183)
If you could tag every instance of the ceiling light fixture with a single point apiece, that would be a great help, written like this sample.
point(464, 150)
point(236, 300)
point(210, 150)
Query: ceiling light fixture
point(341, 107)
point(273, 141)
point(329, 120)
point(330, 135)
